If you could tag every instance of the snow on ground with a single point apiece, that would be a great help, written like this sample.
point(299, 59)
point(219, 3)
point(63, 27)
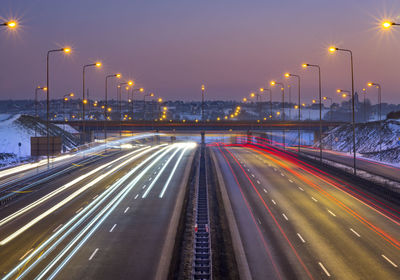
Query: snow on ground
point(374, 140)
point(15, 137)
point(68, 128)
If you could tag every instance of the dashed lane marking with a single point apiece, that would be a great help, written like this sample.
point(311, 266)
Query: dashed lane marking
point(94, 253)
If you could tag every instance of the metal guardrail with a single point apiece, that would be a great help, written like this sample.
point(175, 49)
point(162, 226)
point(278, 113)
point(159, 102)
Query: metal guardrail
point(202, 260)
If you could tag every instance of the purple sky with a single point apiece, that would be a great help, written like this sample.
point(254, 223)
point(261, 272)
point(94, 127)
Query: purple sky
point(172, 47)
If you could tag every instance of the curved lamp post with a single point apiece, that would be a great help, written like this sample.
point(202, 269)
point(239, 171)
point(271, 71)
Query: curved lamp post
point(288, 75)
point(273, 83)
point(333, 50)
point(378, 86)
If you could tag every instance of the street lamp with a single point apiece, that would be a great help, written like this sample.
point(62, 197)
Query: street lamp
point(132, 92)
point(202, 102)
point(306, 65)
point(144, 103)
point(84, 101)
point(106, 103)
point(332, 50)
point(36, 98)
point(65, 50)
point(288, 75)
point(10, 24)
point(378, 86)
point(388, 24)
point(330, 107)
point(273, 83)
point(36, 102)
point(270, 98)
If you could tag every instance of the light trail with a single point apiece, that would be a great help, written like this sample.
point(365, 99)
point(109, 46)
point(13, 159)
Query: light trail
point(69, 198)
point(173, 172)
point(77, 220)
point(106, 211)
point(160, 172)
point(62, 188)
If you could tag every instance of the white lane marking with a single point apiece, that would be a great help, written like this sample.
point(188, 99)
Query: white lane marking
point(126, 210)
point(324, 269)
point(330, 212)
point(282, 174)
point(290, 181)
point(301, 238)
point(159, 168)
point(108, 186)
point(21, 258)
point(389, 261)
point(113, 227)
point(95, 196)
point(150, 179)
point(252, 175)
point(265, 190)
point(273, 201)
point(355, 232)
point(300, 188)
point(79, 210)
point(136, 196)
point(144, 186)
point(258, 182)
point(155, 173)
point(94, 253)
point(314, 199)
point(286, 218)
point(259, 221)
point(57, 228)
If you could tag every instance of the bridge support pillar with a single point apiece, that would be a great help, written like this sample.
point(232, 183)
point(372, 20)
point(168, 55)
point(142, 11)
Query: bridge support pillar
point(203, 140)
point(249, 137)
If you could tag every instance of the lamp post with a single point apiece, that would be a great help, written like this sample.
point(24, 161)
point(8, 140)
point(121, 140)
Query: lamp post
point(364, 91)
point(65, 50)
point(346, 93)
point(84, 101)
point(305, 65)
point(378, 86)
point(106, 104)
point(330, 107)
point(132, 92)
point(144, 103)
point(273, 83)
point(36, 103)
point(287, 75)
point(119, 97)
point(202, 102)
point(270, 100)
point(332, 50)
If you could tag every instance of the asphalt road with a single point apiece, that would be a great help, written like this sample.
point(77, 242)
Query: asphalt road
point(296, 223)
point(104, 220)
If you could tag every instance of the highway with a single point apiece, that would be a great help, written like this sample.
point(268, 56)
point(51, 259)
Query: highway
point(296, 222)
point(111, 218)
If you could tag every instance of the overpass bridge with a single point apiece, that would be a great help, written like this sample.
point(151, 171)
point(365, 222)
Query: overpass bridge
point(91, 125)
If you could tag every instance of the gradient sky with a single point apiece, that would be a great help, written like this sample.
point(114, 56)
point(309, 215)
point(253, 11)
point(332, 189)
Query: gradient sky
point(171, 47)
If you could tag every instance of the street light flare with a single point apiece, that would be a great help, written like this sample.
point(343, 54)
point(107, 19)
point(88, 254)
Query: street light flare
point(304, 65)
point(370, 84)
point(118, 75)
point(261, 89)
point(11, 24)
point(287, 75)
point(98, 64)
point(67, 49)
point(333, 49)
point(273, 83)
point(387, 24)
point(130, 83)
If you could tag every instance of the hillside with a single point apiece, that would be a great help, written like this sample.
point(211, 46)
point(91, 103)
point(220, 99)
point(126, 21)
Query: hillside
point(16, 129)
point(368, 140)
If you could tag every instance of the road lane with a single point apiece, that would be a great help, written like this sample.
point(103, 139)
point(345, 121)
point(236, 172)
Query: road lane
point(327, 241)
point(123, 186)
